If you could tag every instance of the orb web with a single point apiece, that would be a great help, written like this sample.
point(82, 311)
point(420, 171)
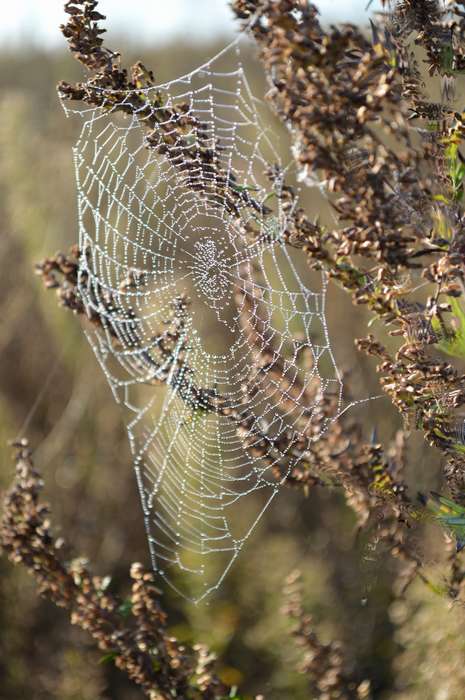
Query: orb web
point(207, 334)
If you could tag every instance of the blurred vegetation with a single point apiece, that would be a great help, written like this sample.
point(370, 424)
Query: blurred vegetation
point(52, 389)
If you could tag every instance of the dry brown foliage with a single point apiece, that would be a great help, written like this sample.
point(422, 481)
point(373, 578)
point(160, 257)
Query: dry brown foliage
point(363, 121)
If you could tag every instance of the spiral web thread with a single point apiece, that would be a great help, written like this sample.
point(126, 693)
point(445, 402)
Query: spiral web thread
point(208, 336)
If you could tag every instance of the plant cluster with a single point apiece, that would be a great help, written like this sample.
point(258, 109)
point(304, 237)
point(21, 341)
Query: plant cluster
point(132, 633)
point(374, 121)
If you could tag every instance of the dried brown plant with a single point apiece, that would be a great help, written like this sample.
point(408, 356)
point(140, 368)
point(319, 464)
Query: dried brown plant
point(130, 632)
point(328, 672)
point(365, 123)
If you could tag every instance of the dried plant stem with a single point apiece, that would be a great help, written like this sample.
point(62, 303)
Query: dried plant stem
point(132, 633)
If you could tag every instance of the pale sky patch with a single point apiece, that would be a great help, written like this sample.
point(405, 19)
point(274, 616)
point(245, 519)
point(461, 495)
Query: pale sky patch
point(146, 21)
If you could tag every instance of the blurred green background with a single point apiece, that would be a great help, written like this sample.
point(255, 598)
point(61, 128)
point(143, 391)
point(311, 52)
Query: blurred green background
point(52, 390)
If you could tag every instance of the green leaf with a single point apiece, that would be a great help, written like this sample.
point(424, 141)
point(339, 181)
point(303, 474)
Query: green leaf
point(441, 198)
point(436, 588)
point(244, 188)
point(450, 515)
point(268, 197)
point(447, 58)
point(448, 505)
point(454, 344)
point(125, 608)
point(108, 658)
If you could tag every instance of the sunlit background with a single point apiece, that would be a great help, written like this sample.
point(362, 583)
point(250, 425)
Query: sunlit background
point(147, 21)
point(52, 390)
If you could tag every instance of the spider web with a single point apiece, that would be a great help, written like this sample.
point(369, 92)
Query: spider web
point(208, 336)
